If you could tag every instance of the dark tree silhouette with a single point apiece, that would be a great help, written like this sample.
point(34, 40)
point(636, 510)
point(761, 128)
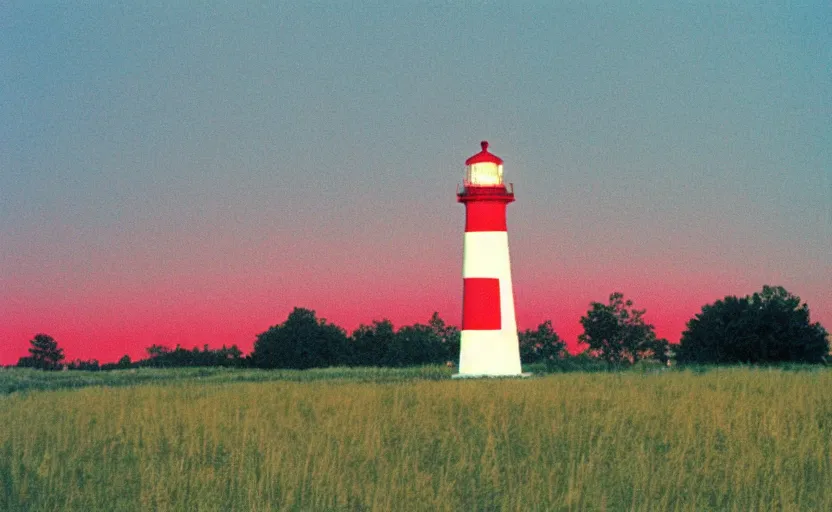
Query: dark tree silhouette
point(541, 345)
point(44, 354)
point(91, 365)
point(162, 356)
point(370, 343)
point(448, 336)
point(156, 351)
point(766, 327)
point(415, 345)
point(302, 341)
point(380, 344)
point(617, 333)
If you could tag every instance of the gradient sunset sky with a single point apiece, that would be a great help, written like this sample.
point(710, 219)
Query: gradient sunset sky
point(188, 174)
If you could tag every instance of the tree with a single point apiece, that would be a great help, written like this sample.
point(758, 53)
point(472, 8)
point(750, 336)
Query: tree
point(79, 364)
point(658, 349)
point(541, 345)
point(766, 327)
point(370, 343)
point(617, 333)
point(162, 356)
point(380, 344)
point(302, 341)
point(448, 336)
point(43, 354)
point(230, 356)
point(25, 362)
point(415, 345)
point(156, 351)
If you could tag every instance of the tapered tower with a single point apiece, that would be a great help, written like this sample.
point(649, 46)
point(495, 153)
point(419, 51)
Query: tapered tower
point(489, 344)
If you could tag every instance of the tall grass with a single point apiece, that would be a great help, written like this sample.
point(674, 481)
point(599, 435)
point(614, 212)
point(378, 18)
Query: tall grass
point(738, 439)
point(19, 380)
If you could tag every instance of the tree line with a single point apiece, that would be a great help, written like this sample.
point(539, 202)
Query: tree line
point(770, 326)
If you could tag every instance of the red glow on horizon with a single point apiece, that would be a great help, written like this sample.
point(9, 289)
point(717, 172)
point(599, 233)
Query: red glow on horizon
point(108, 324)
point(85, 336)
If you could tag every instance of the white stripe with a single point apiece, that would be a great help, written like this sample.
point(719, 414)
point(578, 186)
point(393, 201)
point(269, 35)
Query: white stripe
point(508, 322)
point(489, 353)
point(485, 254)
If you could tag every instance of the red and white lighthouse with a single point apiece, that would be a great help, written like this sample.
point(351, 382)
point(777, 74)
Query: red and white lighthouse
point(489, 344)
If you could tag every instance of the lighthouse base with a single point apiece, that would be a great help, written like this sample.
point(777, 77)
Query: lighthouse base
point(512, 376)
point(489, 354)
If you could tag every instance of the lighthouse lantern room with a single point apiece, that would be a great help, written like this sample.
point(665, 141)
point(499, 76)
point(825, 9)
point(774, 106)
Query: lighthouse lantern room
point(484, 169)
point(489, 345)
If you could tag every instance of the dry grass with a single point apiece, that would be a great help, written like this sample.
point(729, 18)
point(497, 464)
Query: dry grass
point(735, 439)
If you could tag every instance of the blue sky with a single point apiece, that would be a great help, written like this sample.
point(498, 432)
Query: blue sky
point(179, 173)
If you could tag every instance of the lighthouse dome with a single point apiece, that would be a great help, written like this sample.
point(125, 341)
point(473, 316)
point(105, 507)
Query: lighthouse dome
point(484, 169)
point(484, 156)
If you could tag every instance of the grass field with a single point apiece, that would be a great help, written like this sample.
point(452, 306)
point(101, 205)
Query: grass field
point(728, 439)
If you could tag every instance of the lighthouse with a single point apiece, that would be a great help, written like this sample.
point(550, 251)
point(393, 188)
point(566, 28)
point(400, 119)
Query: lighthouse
point(489, 346)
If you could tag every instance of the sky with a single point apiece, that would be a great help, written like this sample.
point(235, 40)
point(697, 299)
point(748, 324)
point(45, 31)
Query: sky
point(179, 174)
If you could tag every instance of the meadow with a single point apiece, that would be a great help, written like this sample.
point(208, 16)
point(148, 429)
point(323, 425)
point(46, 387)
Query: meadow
point(363, 439)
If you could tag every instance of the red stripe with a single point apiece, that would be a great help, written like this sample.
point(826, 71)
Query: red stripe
point(485, 216)
point(485, 207)
point(481, 304)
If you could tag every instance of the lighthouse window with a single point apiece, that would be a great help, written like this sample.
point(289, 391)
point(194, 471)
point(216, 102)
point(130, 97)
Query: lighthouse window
point(486, 174)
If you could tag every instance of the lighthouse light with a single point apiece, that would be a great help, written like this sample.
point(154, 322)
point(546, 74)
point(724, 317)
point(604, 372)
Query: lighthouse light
point(485, 174)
